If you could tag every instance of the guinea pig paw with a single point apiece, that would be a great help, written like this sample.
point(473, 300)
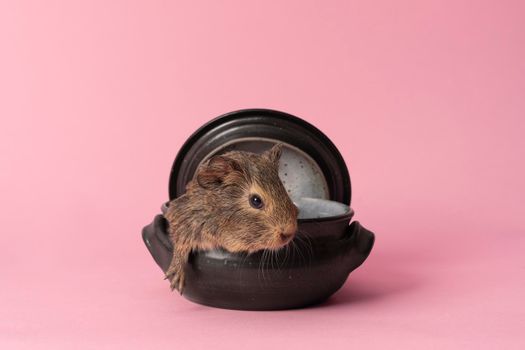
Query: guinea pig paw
point(177, 282)
point(181, 284)
point(172, 272)
point(176, 276)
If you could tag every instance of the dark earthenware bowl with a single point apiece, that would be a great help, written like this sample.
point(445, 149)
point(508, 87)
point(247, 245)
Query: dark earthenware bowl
point(326, 249)
point(301, 276)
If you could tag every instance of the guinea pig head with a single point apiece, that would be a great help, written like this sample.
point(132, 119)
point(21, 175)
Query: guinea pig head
point(253, 209)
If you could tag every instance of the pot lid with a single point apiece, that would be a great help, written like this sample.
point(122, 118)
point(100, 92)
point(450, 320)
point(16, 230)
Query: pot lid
point(310, 165)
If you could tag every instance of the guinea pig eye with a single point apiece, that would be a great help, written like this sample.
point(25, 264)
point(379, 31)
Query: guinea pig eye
point(256, 201)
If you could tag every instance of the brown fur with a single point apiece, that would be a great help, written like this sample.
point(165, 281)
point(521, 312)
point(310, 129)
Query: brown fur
point(215, 210)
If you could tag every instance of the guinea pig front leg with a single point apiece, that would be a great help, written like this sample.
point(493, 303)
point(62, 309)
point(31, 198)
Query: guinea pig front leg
point(175, 272)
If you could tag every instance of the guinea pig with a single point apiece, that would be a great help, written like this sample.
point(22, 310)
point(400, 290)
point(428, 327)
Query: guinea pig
point(236, 201)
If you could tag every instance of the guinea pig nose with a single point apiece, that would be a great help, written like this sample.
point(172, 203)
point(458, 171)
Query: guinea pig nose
point(285, 236)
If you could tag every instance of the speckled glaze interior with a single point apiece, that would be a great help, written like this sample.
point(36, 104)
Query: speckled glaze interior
point(315, 208)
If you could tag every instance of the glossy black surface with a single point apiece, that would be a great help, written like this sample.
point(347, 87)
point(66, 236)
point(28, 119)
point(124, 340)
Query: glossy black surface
point(296, 277)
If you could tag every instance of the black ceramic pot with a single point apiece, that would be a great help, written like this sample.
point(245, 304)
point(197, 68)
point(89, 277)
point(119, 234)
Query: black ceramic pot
point(326, 249)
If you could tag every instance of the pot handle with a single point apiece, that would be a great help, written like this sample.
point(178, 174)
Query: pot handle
point(155, 236)
point(362, 242)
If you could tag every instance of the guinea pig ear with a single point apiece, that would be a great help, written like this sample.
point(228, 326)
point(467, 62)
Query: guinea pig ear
point(213, 173)
point(274, 153)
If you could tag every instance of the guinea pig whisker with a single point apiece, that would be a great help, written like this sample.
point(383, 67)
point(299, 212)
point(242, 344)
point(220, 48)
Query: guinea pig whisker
point(298, 250)
point(270, 261)
point(260, 269)
point(271, 254)
point(305, 234)
point(285, 248)
point(278, 258)
point(243, 260)
point(308, 240)
point(287, 253)
point(240, 267)
point(292, 249)
point(302, 244)
point(264, 262)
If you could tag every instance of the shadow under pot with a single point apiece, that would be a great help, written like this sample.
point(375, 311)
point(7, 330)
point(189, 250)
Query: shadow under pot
point(305, 272)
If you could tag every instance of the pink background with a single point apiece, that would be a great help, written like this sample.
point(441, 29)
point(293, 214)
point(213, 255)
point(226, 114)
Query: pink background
point(425, 100)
